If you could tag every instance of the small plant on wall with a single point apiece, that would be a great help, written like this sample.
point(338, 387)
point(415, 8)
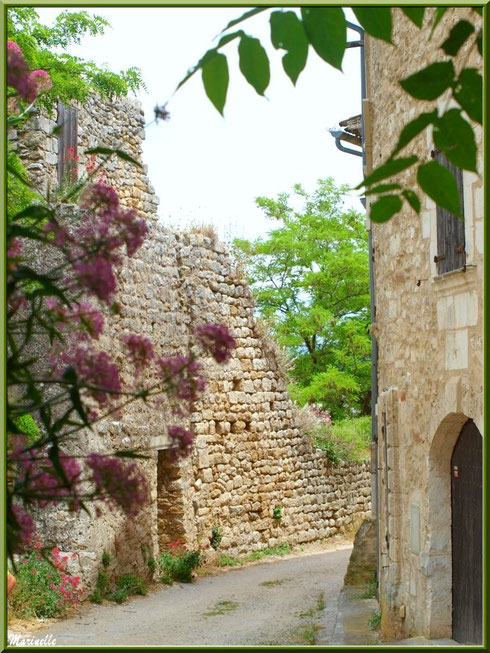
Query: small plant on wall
point(177, 563)
point(216, 537)
point(277, 513)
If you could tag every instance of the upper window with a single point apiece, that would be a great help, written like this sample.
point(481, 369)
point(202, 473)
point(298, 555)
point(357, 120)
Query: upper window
point(67, 144)
point(450, 229)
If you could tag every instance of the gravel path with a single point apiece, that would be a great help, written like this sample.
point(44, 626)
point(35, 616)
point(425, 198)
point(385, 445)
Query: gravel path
point(288, 601)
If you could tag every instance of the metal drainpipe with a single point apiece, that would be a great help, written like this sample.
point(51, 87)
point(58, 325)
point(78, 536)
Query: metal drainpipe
point(374, 343)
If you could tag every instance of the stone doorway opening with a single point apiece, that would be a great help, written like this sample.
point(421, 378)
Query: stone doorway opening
point(170, 499)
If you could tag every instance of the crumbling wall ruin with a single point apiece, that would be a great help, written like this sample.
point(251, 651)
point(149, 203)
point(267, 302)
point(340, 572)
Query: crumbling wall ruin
point(249, 455)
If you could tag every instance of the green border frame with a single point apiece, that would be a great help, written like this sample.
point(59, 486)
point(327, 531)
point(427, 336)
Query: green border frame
point(232, 3)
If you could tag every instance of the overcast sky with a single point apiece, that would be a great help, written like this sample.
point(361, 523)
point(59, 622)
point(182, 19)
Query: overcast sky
point(208, 169)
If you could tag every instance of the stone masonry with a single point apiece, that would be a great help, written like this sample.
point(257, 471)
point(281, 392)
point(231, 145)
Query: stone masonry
point(249, 455)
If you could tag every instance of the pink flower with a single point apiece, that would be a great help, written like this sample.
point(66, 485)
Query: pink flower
point(181, 374)
point(97, 277)
point(93, 368)
point(134, 232)
point(24, 526)
point(181, 440)
point(100, 198)
point(41, 79)
point(216, 339)
point(140, 349)
point(13, 253)
point(120, 484)
point(43, 482)
point(18, 73)
point(60, 233)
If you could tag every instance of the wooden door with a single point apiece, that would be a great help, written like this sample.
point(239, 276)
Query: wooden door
point(466, 535)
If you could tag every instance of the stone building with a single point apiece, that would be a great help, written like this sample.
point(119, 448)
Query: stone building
point(428, 282)
point(252, 473)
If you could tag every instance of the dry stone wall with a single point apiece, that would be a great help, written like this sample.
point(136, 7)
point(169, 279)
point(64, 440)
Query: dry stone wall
point(249, 455)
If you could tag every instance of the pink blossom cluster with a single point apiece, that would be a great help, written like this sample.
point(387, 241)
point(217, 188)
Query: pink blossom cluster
point(95, 370)
point(76, 317)
point(105, 228)
point(120, 484)
point(27, 84)
point(24, 526)
point(182, 376)
point(181, 440)
point(217, 339)
point(42, 481)
point(68, 586)
point(321, 414)
point(13, 253)
point(140, 350)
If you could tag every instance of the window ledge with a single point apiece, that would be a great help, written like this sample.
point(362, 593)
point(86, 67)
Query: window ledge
point(455, 278)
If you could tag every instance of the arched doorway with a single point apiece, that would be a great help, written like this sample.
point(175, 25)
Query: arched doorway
point(466, 535)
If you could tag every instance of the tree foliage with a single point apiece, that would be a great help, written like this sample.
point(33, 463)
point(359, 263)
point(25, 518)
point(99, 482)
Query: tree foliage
point(310, 277)
point(73, 78)
point(325, 29)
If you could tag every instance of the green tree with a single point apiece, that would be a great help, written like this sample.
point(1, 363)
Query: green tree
point(73, 78)
point(325, 30)
point(310, 277)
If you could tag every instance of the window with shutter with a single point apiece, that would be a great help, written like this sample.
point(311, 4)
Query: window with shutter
point(67, 144)
point(450, 229)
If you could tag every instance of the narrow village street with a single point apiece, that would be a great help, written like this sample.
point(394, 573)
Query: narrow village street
point(292, 601)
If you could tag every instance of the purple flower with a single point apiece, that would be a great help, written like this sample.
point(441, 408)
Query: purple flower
point(100, 198)
point(43, 482)
point(119, 484)
point(41, 79)
point(97, 276)
point(94, 368)
point(140, 349)
point(181, 373)
point(24, 527)
point(217, 339)
point(181, 440)
point(134, 232)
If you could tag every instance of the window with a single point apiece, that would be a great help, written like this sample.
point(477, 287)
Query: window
point(67, 144)
point(450, 229)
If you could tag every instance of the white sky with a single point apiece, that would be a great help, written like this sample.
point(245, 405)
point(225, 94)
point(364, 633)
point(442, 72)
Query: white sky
point(208, 169)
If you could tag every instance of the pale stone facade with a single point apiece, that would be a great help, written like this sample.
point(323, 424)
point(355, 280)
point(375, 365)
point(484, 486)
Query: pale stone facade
point(429, 332)
point(249, 456)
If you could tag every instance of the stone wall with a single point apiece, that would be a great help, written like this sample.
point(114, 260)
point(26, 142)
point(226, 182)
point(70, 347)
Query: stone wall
point(249, 455)
point(429, 332)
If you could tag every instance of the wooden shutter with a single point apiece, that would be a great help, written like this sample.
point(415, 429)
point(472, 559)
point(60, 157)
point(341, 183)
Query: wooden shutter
point(450, 228)
point(67, 138)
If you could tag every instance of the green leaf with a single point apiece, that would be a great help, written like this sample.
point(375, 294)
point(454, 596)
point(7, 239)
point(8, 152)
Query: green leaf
point(254, 63)
point(413, 129)
point(376, 21)
point(455, 137)
point(245, 16)
point(35, 213)
point(388, 169)
point(22, 178)
point(385, 208)
point(479, 10)
point(413, 199)
point(440, 185)
point(215, 78)
point(469, 93)
point(119, 153)
point(287, 33)
point(326, 30)
point(457, 36)
point(429, 83)
point(382, 188)
point(416, 14)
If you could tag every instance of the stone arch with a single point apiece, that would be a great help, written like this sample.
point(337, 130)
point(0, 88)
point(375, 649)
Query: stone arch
point(437, 562)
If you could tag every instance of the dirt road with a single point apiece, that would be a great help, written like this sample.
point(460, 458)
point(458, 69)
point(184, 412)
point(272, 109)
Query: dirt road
point(284, 602)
